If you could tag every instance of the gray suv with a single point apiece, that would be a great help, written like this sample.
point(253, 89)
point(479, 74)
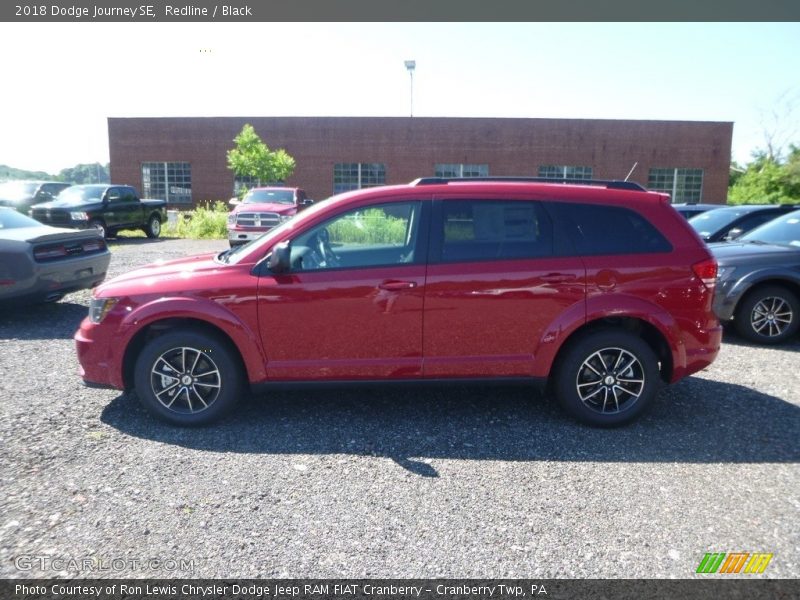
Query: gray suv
point(758, 281)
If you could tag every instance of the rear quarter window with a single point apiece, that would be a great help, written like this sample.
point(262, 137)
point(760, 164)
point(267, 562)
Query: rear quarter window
point(595, 229)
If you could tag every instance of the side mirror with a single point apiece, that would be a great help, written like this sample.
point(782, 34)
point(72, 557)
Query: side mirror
point(280, 259)
point(234, 202)
point(734, 233)
point(307, 202)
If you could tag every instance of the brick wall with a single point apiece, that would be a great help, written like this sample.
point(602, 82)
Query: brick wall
point(409, 147)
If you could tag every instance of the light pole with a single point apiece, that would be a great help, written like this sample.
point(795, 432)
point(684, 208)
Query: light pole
point(411, 65)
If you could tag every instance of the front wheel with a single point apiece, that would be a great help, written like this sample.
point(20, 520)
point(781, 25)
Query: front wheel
point(768, 315)
point(153, 229)
point(607, 378)
point(188, 378)
point(99, 226)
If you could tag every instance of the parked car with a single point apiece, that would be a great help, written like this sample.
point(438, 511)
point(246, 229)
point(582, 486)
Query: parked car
point(688, 211)
point(758, 289)
point(262, 209)
point(728, 223)
point(107, 208)
point(601, 290)
point(42, 263)
point(21, 195)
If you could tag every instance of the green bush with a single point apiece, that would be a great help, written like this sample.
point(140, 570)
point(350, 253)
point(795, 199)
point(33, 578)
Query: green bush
point(372, 226)
point(206, 222)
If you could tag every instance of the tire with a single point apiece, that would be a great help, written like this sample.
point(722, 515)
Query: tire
point(768, 315)
point(100, 226)
point(607, 378)
point(153, 229)
point(213, 378)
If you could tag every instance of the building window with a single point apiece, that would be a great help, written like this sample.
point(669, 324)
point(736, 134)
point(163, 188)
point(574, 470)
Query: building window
point(454, 170)
point(354, 176)
point(564, 172)
point(242, 183)
point(683, 185)
point(170, 181)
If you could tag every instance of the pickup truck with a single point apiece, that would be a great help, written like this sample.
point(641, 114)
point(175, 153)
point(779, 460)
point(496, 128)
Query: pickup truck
point(106, 207)
point(261, 209)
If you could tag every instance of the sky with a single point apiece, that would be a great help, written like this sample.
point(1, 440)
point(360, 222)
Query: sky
point(61, 81)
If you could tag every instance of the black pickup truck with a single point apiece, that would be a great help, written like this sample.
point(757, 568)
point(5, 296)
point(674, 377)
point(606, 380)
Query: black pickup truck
point(106, 207)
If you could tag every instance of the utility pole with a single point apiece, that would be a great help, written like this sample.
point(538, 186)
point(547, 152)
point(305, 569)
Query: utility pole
point(411, 65)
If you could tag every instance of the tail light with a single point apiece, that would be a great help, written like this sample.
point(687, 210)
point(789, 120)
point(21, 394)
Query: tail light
point(48, 252)
point(706, 271)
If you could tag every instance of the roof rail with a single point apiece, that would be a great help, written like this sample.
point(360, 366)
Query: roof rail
point(609, 183)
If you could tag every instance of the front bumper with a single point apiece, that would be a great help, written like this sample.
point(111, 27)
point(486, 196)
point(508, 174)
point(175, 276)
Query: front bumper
point(97, 367)
point(242, 236)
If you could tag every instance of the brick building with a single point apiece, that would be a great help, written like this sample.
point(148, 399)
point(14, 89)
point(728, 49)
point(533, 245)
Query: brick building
point(183, 159)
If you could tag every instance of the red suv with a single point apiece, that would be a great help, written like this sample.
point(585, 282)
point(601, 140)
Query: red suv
point(263, 209)
point(600, 289)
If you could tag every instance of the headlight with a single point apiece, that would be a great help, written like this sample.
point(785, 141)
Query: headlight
point(79, 216)
point(285, 218)
point(100, 307)
point(231, 219)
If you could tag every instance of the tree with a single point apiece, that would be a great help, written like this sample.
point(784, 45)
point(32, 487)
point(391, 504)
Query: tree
point(85, 173)
point(253, 159)
point(767, 179)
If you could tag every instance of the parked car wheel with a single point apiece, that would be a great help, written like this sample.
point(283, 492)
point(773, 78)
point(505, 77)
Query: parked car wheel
point(768, 315)
point(153, 229)
point(100, 226)
point(607, 378)
point(188, 377)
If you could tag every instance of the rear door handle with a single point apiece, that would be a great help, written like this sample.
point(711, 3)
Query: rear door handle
point(393, 285)
point(558, 277)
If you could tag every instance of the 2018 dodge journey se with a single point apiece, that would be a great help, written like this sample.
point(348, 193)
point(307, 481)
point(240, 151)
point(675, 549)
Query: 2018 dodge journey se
point(599, 289)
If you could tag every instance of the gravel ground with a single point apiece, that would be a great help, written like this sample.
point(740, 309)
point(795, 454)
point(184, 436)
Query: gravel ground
point(457, 482)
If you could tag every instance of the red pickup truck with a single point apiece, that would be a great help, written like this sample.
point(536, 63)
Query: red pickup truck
point(262, 209)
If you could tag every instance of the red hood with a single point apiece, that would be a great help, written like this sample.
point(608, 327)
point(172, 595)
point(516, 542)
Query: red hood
point(165, 277)
point(281, 209)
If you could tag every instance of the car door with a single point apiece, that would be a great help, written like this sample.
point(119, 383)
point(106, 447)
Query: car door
point(350, 306)
point(494, 285)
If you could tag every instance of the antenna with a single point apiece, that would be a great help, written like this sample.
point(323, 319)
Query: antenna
point(633, 168)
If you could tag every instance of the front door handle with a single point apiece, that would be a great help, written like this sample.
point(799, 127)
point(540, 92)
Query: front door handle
point(394, 285)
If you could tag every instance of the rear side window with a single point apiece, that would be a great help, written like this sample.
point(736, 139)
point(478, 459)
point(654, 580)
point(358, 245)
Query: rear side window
point(494, 230)
point(595, 229)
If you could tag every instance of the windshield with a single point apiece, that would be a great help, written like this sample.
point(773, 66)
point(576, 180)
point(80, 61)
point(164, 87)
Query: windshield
point(16, 190)
point(234, 255)
point(11, 219)
point(783, 230)
point(711, 221)
point(269, 197)
point(80, 194)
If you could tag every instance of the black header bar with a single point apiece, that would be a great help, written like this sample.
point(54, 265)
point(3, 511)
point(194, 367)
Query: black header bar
point(150, 11)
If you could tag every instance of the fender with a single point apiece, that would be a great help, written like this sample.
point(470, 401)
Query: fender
point(729, 297)
point(604, 306)
point(198, 309)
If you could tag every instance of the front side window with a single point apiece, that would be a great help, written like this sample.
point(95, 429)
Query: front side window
point(683, 185)
point(595, 230)
point(474, 230)
point(564, 172)
point(355, 176)
point(170, 181)
point(458, 170)
point(373, 236)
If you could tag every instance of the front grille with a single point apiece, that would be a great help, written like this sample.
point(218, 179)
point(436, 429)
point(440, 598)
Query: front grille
point(258, 219)
point(46, 216)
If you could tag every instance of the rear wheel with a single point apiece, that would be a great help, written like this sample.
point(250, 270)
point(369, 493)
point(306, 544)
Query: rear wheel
point(607, 378)
point(153, 229)
point(188, 377)
point(768, 315)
